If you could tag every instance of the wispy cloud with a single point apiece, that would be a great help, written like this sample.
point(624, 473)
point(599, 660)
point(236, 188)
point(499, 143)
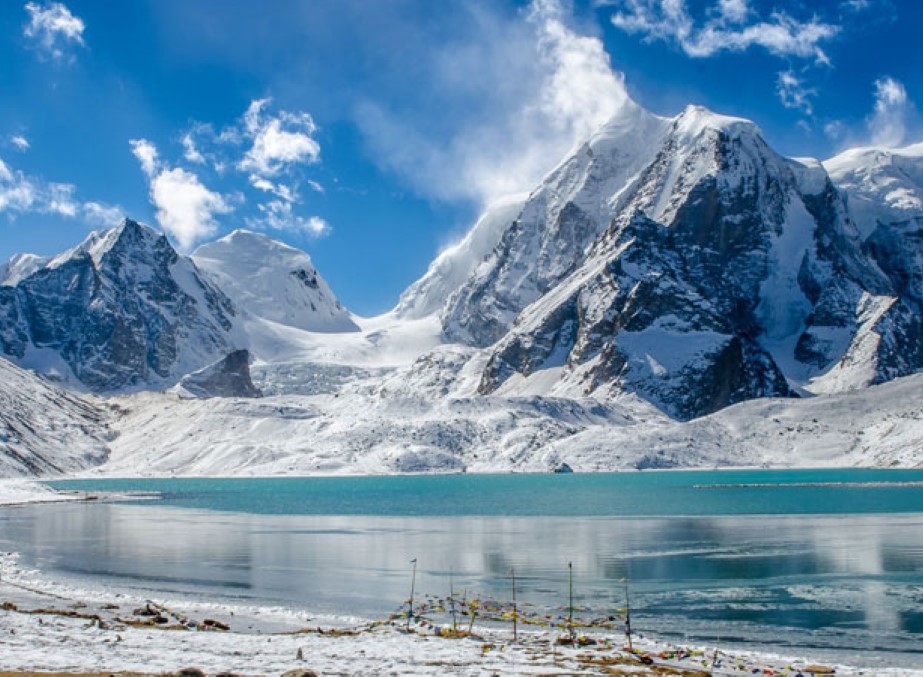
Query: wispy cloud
point(147, 155)
point(270, 148)
point(24, 194)
point(190, 150)
point(186, 208)
point(102, 215)
point(279, 215)
point(17, 192)
point(20, 142)
point(53, 29)
point(727, 26)
point(277, 141)
point(538, 87)
point(893, 121)
point(890, 117)
point(793, 93)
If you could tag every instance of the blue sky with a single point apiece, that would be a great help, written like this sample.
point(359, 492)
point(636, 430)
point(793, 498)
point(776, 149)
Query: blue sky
point(370, 134)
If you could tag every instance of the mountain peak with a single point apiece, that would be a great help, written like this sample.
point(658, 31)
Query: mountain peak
point(696, 119)
point(19, 267)
point(128, 235)
point(122, 310)
point(274, 281)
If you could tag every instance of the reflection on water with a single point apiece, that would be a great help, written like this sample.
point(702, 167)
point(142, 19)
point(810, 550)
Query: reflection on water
point(853, 581)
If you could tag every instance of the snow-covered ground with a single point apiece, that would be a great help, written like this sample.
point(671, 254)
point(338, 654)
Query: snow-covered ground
point(22, 491)
point(48, 626)
point(421, 420)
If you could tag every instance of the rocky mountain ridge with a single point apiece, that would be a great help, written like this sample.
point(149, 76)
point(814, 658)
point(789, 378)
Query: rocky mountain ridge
point(685, 260)
point(669, 270)
point(120, 311)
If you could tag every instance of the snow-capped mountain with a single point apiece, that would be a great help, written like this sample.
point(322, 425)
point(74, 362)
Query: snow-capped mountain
point(685, 260)
point(273, 281)
point(453, 266)
point(669, 269)
point(548, 238)
point(120, 311)
point(885, 193)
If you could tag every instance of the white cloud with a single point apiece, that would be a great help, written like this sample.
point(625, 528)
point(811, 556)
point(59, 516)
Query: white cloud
point(734, 11)
point(793, 93)
point(279, 215)
point(21, 194)
point(287, 193)
point(268, 146)
point(17, 192)
point(670, 20)
point(277, 141)
point(60, 199)
point(102, 215)
point(20, 142)
point(147, 155)
point(316, 226)
point(190, 151)
point(889, 120)
point(835, 130)
point(53, 28)
point(516, 96)
point(186, 208)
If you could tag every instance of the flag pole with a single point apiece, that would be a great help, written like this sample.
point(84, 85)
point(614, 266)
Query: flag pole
point(570, 596)
point(513, 577)
point(628, 615)
point(413, 583)
point(452, 600)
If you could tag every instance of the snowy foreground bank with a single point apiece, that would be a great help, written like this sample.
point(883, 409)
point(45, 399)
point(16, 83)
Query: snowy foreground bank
point(49, 626)
point(20, 491)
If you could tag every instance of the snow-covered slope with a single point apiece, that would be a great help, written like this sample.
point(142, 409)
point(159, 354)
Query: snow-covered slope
point(273, 281)
point(558, 222)
point(19, 267)
point(674, 293)
point(420, 420)
point(45, 430)
point(885, 193)
point(120, 311)
point(885, 186)
point(454, 265)
point(685, 260)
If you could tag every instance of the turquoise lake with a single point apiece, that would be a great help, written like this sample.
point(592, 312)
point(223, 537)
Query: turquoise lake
point(810, 561)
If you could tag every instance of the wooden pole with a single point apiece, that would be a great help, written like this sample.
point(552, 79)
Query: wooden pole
point(452, 601)
point(628, 616)
point(413, 583)
point(513, 576)
point(570, 596)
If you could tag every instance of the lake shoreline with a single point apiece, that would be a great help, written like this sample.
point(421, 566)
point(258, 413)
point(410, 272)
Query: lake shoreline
point(50, 628)
point(90, 625)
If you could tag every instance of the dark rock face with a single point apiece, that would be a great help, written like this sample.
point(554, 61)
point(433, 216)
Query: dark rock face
point(123, 311)
point(749, 252)
point(641, 324)
point(481, 313)
point(229, 377)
